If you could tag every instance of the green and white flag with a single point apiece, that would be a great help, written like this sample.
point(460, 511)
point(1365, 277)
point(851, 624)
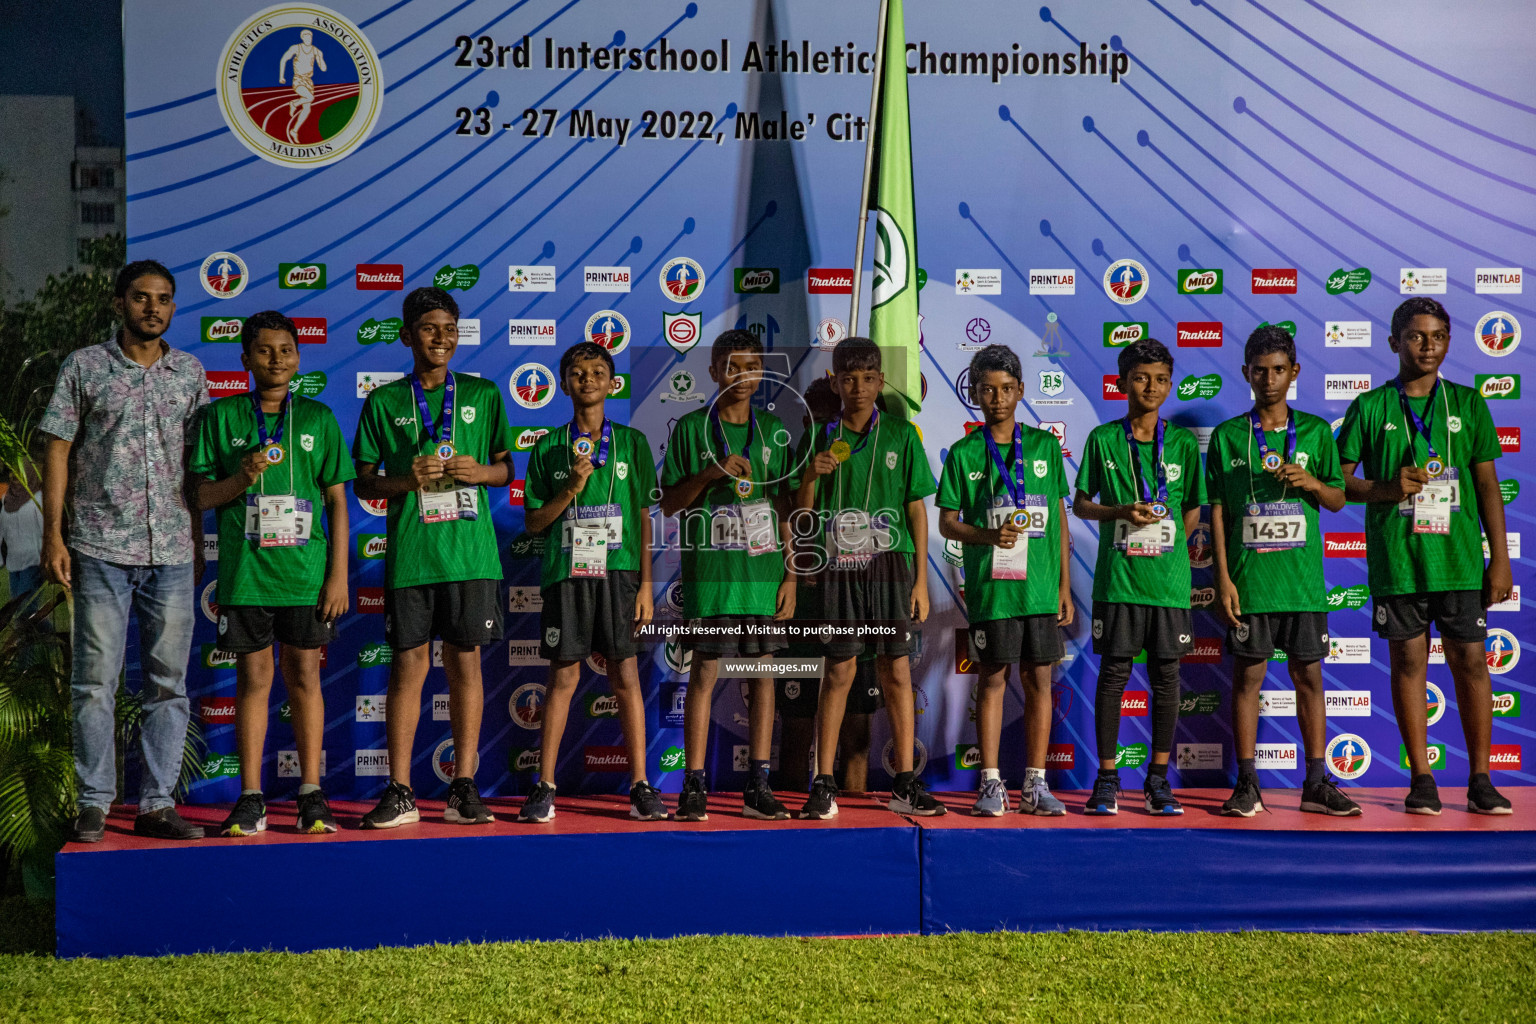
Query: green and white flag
point(893, 323)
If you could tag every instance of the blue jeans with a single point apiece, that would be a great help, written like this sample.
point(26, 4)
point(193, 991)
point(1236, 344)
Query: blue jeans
point(24, 581)
point(162, 596)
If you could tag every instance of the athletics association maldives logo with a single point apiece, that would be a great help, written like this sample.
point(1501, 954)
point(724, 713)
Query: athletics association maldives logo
point(1498, 333)
point(1348, 755)
point(1502, 651)
point(609, 329)
point(1125, 282)
point(682, 279)
point(533, 386)
point(224, 275)
point(299, 85)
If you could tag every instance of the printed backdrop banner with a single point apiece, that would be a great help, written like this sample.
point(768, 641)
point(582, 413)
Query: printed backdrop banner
point(652, 174)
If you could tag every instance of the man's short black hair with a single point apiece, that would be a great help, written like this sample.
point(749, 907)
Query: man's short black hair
point(1419, 305)
point(137, 269)
point(1267, 339)
point(266, 320)
point(585, 350)
point(994, 359)
point(855, 354)
point(823, 400)
point(733, 341)
point(1140, 353)
point(422, 301)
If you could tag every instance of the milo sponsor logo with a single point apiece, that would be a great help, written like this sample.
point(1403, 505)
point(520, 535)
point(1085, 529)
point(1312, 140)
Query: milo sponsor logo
point(1132, 755)
point(307, 384)
point(373, 655)
point(1204, 387)
point(301, 275)
point(462, 278)
point(374, 331)
point(215, 658)
point(1341, 281)
point(523, 760)
point(1207, 702)
point(1506, 704)
point(967, 757)
point(1348, 597)
point(602, 705)
point(1435, 753)
point(372, 545)
point(1202, 597)
point(1122, 333)
point(221, 329)
point(1498, 385)
point(1200, 282)
point(758, 280)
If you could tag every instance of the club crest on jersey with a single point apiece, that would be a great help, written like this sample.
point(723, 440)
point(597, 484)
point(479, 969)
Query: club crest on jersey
point(1040, 467)
point(890, 460)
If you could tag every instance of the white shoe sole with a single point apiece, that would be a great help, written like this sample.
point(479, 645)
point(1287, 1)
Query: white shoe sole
point(634, 812)
point(529, 819)
point(1426, 811)
point(977, 812)
point(1101, 812)
point(831, 813)
point(1311, 807)
point(1233, 812)
point(261, 826)
point(410, 817)
point(453, 817)
point(1495, 811)
point(757, 815)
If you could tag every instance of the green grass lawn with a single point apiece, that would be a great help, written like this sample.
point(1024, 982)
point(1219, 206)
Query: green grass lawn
point(1073, 976)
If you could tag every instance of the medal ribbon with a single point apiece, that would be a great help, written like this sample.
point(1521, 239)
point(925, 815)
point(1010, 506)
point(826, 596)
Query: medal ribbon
point(869, 431)
point(1290, 434)
point(261, 420)
point(443, 429)
point(600, 456)
point(1420, 426)
point(1157, 455)
point(743, 484)
point(1015, 485)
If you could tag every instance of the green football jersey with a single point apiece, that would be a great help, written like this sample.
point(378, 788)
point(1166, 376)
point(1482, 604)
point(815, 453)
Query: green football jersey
point(1160, 580)
point(1379, 436)
point(886, 468)
point(390, 434)
point(315, 458)
point(720, 575)
point(972, 485)
point(615, 496)
point(1288, 579)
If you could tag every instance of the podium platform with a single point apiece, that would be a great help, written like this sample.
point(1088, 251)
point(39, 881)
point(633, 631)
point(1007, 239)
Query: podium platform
point(594, 872)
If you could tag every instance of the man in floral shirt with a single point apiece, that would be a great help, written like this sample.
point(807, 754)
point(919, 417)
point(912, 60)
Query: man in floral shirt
point(116, 428)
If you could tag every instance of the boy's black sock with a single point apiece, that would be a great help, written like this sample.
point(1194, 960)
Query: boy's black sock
point(902, 782)
point(1157, 769)
point(1246, 769)
point(696, 773)
point(1109, 773)
point(1314, 770)
point(760, 771)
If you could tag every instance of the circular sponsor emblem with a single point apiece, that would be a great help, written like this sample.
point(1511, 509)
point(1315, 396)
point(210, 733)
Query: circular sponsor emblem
point(963, 390)
point(442, 760)
point(1125, 282)
point(681, 279)
point(1202, 552)
point(1272, 461)
point(533, 386)
point(919, 757)
point(209, 605)
point(299, 85)
point(1434, 703)
point(829, 332)
point(223, 275)
point(609, 329)
point(1253, 510)
point(597, 663)
point(1502, 651)
point(527, 705)
point(977, 331)
point(375, 506)
point(1348, 755)
point(1498, 333)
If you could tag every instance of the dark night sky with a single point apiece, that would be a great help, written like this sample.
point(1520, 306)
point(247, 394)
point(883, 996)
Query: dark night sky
point(61, 47)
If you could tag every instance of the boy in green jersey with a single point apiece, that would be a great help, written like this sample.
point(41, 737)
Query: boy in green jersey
point(432, 443)
point(591, 484)
point(1003, 495)
point(1267, 472)
point(268, 460)
point(1145, 472)
point(1425, 448)
point(861, 493)
point(726, 473)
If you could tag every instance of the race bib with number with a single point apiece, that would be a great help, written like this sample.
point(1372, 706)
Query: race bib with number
point(853, 538)
point(278, 520)
point(444, 501)
point(1036, 507)
point(1274, 526)
point(1145, 541)
point(609, 518)
point(589, 552)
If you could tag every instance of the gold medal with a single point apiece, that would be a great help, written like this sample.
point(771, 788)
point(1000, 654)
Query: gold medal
point(744, 487)
point(274, 453)
point(445, 450)
point(840, 450)
point(582, 447)
point(1434, 467)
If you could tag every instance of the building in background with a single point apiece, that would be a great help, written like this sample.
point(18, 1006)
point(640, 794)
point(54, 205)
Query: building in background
point(58, 190)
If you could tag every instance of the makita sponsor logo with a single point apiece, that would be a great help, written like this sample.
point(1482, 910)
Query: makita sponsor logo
point(370, 600)
point(1341, 387)
point(1344, 545)
point(1133, 704)
point(1207, 651)
point(1504, 757)
point(1274, 281)
point(217, 710)
point(1112, 392)
point(1509, 438)
point(1061, 755)
point(1199, 334)
point(605, 759)
point(312, 330)
point(825, 281)
point(516, 491)
point(380, 277)
point(228, 382)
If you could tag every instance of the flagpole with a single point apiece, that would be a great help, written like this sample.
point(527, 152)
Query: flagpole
point(869, 168)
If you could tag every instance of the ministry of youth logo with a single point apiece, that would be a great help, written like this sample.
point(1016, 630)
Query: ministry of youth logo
point(299, 85)
point(892, 260)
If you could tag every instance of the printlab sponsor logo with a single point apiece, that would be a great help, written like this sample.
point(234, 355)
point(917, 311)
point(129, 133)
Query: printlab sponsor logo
point(1277, 703)
point(605, 759)
point(530, 279)
point(1353, 281)
point(1347, 755)
point(1504, 757)
point(1344, 545)
point(530, 332)
point(757, 281)
point(979, 282)
point(1274, 281)
point(1421, 281)
point(1197, 756)
point(829, 281)
point(1200, 282)
point(1053, 282)
point(1347, 334)
point(221, 329)
point(1498, 385)
point(370, 762)
point(1347, 703)
point(380, 277)
point(217, 710)
point(1133, 704)
point(440, 712)
point(301, 275)
point(1275, 756)
point(1199, 334)
point(605, 279)
point(1121, 334)
point(1343, 387)
point(1500, 280)
point(1349, 650)
point(524, 652)
point(228, 382)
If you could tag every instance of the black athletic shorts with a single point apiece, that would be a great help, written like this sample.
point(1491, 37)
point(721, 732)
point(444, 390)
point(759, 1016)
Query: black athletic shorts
point(246, 628)
point(738, 643)
point(797, 697)
point(464, 613)
point(1303, 636)
point(1458, 615)
point(585, 615)
point(878, 592)
point(1125, 630)
point(1030, 639)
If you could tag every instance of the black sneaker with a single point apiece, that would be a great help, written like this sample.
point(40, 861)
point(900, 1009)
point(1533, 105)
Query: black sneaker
point(1325, 797)
point(464, 805)
point(823, 800)
point(396, 807)
point(645, 803)
point(90, 825)
point(1423, 796)
point(1245, 800)
point(248, 817)
point(693, 802)
point(758, 801)
point(1105, 796)
point(165, 824)
point(1159, 796)
point(540, 805)
point(915, 800)
point(315, 814)
point(1482, 798)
